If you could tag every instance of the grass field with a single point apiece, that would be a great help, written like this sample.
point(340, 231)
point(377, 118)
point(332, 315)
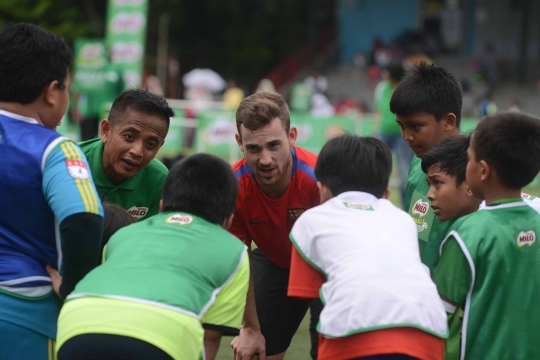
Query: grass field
point(299, 349)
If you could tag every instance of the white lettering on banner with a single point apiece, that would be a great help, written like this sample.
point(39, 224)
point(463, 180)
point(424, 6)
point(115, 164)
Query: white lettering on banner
point(127, 23)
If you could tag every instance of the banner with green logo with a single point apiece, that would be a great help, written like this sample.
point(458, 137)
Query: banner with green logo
point(125, 37)
point(90, 59)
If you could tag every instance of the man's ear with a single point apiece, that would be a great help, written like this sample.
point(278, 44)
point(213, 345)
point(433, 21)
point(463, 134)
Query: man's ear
point(293, 135)
point(450, 122)
point(228, 222)
point(387, 193)
point(239, 141)
point(325, 193)
point(468, 191)
point(105, 129)
point(161, 206)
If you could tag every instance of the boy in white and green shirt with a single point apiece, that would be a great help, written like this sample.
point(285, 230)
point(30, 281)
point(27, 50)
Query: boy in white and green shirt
point(165, 276)
point(489, 258)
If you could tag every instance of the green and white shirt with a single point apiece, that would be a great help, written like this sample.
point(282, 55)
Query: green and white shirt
point(431, 231)
point(489, 268)
point(139, 195)
point(174, 271)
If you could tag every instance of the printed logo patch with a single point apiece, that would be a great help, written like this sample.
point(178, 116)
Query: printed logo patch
point(527, 197)
point(77, 169)
point(294, 214)
point(526, 238)
point(138, 212)
point(420, 208)
point(179, 219)
point(358, 206)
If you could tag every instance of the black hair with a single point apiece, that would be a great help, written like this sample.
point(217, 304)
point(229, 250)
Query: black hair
point(114, 219)
point(143, 101)
point(31, 58)
point(352, 163)
point(169, 162)
point(202, 185)
point(450, 155)
point(510, 143)
point(428, 89)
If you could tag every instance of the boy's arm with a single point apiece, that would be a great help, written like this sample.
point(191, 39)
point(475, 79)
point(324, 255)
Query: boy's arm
point(304, 280)
point(225, 314)
point(453, 276)
point(69, 190)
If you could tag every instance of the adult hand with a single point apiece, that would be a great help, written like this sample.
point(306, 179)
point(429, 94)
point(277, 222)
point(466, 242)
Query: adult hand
point(249, 344)
point(56, 279)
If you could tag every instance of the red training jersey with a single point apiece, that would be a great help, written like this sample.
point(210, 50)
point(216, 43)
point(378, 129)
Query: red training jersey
point(266, 221)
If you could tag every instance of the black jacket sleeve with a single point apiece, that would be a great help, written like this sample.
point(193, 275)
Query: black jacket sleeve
point(81, 245)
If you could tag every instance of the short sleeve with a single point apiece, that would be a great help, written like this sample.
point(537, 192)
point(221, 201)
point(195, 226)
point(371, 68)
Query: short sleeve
point(453, 276)
point(227, 311)
point(238, 229)
point(304, 280)
point(67, 182)
point(154, 206)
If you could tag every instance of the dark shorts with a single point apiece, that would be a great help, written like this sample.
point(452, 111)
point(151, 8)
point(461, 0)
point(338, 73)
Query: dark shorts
point(109, 347)
point(280, 315)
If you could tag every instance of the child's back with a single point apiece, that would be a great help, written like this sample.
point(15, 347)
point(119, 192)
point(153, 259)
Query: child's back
point(502, 289)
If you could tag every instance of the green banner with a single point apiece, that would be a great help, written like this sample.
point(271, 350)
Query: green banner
point(125, 37)
point(90, 59)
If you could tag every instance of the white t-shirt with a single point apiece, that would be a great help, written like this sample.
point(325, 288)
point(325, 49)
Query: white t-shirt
point(368, 250)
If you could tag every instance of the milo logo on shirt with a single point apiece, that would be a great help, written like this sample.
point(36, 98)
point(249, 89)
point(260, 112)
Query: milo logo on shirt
point(421, 208)
point(527, 197)
point(422, 214)
point(526, 238)
point(358, 206)
point(138, 212)
point(179, 219)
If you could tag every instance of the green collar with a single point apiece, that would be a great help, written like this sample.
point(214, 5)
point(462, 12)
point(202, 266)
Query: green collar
point(98, 172)
point(505, 201)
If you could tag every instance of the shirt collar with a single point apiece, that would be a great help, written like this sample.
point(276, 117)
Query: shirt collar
point(101, 178)
point(19, 117)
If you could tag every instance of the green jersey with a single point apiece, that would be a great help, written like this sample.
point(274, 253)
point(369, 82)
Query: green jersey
point(384, 92)
point(139, 195)
point(178, 267)
point(489, 267)
point(431, 231)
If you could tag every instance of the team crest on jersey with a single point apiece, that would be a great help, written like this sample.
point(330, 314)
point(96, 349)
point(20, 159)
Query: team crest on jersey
point(138, 212)
point(526, 238)
point(420, 208)
point(527, 197)
point(179, 219)
point(358, 206)
point(77, 169)
point(294, 214)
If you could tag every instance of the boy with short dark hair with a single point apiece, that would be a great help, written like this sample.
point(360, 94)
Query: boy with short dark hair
point(445, 165)
point(51, 214)
point(427, 104)
point(380, 301)
point(165, 276)
point(489, 258)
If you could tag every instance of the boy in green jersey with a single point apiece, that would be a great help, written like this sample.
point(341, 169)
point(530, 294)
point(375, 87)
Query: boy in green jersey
point(445, 165)
point(166, 276)
point(451, 198)
point(427, 104)
point(489, 262)
point(122, 160)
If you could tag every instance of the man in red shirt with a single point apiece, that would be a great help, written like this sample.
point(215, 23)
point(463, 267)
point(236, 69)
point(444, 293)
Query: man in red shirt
point(277, 184)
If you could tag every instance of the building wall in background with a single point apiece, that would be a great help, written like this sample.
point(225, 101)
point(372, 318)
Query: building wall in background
point(499, 22)
point(360, 21)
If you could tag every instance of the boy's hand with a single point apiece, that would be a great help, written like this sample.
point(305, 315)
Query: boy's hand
point(56, 279)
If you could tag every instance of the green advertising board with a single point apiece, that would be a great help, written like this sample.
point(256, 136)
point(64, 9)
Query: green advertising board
point(125, 37)
point(89, 62)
